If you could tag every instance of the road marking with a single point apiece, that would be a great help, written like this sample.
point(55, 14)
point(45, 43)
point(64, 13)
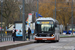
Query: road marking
point(73, 49)
point(68, 44)
point(43, 46)
point(28, 47)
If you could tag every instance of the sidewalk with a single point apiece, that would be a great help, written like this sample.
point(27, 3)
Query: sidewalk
point(10, 44)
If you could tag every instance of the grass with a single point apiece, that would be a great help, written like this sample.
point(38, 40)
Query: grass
point(66, 36)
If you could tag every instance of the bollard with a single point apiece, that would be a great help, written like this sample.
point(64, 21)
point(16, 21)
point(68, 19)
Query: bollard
point(7, 38)
point(2, 39)
point(10, 39)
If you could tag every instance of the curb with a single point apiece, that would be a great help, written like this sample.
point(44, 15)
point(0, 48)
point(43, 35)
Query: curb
point(67, 36)
point(15, 45)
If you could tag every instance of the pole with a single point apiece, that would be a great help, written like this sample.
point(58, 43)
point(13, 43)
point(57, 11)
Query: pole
point(20, 6)
point(55, 9)
point(32, 29)
point(20, 14)
point(53, 14)
point(37, 8)
point(24, 36)
point(72, 15)
point(1, 19)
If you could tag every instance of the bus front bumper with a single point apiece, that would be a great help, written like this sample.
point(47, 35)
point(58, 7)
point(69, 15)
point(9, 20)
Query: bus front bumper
point(44, 38)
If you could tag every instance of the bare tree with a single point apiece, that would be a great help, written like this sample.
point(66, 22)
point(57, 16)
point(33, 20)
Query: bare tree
point(10, 10)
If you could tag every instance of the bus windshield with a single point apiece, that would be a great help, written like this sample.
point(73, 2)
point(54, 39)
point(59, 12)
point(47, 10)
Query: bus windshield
point(45, 28)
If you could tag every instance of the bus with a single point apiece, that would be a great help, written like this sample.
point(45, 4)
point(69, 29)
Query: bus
point(47, 29)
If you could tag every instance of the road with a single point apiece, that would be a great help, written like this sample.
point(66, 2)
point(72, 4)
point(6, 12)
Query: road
point(63, 44)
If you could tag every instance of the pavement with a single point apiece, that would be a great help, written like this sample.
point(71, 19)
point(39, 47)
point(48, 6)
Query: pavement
point(63, 44)
point(10, 44)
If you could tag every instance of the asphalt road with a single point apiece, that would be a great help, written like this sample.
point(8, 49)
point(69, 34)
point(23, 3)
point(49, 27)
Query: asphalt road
point(63, 44)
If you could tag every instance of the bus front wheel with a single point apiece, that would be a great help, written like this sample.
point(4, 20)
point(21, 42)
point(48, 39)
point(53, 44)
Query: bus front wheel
point(38, 41)
point(57, 40)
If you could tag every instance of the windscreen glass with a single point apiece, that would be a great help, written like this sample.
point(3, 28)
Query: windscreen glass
point(45, 27)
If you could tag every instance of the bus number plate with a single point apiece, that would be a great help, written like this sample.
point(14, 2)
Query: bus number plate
point(44, 39)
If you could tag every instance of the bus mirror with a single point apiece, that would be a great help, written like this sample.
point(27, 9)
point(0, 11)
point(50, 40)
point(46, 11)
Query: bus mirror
point(55, 25)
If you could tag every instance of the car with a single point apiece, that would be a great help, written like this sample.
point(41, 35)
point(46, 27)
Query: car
point(64, 32)
point(70, 30)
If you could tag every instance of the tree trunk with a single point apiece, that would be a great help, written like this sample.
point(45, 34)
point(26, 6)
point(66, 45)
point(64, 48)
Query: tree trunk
point(6, 23)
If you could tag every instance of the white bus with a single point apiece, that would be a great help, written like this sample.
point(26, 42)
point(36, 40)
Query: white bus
point(47, 29)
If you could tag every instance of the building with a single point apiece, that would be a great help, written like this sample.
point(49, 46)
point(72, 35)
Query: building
point(2, 24)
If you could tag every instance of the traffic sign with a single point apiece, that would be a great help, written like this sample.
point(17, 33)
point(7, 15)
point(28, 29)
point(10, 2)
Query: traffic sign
point(29, 17)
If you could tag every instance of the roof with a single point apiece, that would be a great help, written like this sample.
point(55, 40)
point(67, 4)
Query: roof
point(48, 18)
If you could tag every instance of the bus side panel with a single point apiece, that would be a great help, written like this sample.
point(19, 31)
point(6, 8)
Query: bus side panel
point(57, 32)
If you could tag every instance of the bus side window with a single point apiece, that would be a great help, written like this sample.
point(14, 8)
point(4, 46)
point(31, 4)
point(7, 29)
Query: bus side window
point(55, 25)
point(57, 28)
point(36, 28)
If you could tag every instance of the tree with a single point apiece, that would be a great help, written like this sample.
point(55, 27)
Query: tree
point(29, 7)
point(10, 10)
point(63, 10)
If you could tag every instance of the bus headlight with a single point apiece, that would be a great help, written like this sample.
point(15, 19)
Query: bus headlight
point(52, 35)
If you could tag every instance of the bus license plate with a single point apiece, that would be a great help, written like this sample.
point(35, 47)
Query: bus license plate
point(44, 39)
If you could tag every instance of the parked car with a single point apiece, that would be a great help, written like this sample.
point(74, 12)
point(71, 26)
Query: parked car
point(70, 30)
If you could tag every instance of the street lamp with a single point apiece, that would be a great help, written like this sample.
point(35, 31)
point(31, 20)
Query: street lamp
point(55, 9)
point(1, 17)
point(72, 15)
point(37, 7)
point(55, 13)
point(24, 35)
point(20, 6)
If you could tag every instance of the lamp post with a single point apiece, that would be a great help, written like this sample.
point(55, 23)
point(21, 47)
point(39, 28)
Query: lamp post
point(72, 16)
point(55, 9)
point(1, 17)
point(20, 6)
point(54, 15)
point(24, 35)
point(37, 8)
